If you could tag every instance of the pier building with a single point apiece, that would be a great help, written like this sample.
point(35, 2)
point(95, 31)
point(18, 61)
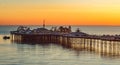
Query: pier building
point(104, 44)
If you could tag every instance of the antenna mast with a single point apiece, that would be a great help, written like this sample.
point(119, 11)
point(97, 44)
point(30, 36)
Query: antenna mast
point(43, 23)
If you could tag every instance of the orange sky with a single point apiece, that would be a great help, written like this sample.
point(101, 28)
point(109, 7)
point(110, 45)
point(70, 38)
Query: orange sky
point(60, 12)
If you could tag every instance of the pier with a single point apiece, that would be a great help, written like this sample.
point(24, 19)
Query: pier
point(104, 44)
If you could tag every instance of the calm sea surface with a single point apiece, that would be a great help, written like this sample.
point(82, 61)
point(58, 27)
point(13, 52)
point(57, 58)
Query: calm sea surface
point(53, 54)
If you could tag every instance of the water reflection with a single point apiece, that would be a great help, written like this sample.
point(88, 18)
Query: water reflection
point(77, 52)
point(26, 53)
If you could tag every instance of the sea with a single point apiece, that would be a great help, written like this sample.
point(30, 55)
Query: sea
point(13, 53)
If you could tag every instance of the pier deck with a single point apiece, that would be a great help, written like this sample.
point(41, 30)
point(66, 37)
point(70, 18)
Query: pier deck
point(77, 40)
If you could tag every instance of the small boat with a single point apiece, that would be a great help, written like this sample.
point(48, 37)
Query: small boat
point(6, 37)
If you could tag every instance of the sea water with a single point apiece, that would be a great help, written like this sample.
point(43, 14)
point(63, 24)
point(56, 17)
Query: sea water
point(12, 53)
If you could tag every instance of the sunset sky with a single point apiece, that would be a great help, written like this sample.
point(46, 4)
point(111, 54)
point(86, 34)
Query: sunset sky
point(60, 12)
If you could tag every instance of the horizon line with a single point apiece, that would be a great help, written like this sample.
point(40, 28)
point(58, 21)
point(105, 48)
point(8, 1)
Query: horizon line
point(59, 25)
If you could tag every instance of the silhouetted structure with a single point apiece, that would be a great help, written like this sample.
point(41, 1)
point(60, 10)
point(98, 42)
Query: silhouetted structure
point(43, 23)
point(63, 35)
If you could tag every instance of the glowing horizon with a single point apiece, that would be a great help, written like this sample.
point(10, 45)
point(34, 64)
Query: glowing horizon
point(60, 12)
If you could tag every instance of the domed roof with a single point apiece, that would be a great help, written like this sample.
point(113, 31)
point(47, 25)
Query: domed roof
point(42, 30)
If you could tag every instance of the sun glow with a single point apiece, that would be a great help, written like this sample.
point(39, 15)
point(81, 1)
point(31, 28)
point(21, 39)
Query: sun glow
point(62, 12)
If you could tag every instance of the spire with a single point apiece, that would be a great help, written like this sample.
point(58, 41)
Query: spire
point(43, 23)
